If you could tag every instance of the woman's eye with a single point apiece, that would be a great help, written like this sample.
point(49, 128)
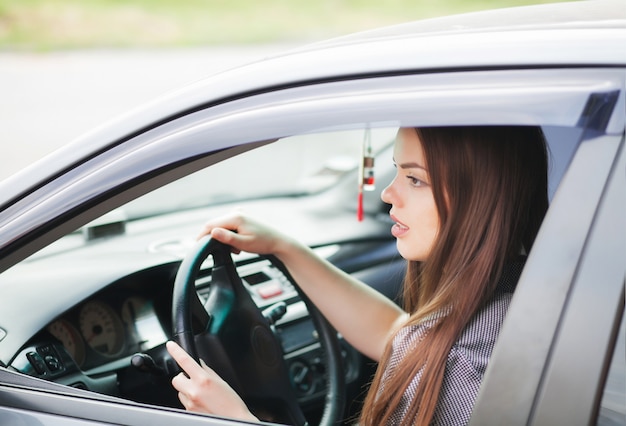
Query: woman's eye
point(415, 181)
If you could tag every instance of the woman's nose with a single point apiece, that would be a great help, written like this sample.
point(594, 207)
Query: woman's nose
point(385, 195)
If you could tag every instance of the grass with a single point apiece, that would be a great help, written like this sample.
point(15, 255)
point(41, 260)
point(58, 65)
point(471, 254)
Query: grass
point(67, 24)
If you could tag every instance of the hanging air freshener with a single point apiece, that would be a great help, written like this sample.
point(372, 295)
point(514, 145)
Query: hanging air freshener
point(368, 167)
point(366, 171)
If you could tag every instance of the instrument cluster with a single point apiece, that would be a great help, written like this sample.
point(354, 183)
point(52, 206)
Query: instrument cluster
point(99, 329)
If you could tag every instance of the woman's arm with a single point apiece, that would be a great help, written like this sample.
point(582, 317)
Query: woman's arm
point(364, 317)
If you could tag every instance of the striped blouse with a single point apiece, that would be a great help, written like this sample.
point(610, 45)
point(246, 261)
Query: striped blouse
point(467, 360)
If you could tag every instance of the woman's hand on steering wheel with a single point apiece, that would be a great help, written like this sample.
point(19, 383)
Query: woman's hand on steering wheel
point(243, 233)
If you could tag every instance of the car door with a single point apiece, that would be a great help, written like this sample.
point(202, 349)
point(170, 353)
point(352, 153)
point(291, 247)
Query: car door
point(148, 159)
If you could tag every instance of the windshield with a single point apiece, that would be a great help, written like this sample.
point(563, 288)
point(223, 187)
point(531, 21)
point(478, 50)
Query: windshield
point(291, 166)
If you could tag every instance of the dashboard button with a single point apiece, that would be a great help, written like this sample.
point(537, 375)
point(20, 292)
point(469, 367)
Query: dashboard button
point(302, 377)
point(53, 363)
point(269, 290)
point(37, 362)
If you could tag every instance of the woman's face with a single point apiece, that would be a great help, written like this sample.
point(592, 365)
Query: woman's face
point(410, 195)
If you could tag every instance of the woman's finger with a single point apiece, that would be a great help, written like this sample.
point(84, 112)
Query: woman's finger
point(179, 382)
point(231, 222)
point(183, 359)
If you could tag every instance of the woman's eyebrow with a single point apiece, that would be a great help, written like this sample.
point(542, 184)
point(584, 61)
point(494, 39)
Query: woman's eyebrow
point(410, 165)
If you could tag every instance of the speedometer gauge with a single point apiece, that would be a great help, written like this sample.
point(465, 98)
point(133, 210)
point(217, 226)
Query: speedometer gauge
point(101, 328)
point(69, 338)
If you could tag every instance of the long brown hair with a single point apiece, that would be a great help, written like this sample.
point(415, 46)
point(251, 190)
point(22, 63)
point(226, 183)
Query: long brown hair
point(490, 189)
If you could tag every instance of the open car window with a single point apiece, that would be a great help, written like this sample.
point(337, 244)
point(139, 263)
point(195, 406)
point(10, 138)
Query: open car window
point(291, 166)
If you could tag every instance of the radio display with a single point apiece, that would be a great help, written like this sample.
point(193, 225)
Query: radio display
point(297, 335)
point(256, 278)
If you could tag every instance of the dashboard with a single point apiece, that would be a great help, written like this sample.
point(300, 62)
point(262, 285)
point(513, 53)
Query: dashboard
point(113, 342)
point(100, 335)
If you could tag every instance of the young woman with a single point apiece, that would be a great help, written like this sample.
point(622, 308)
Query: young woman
point(466, 204)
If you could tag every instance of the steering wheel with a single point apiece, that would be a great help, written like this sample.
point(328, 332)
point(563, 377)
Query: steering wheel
point(233, 337)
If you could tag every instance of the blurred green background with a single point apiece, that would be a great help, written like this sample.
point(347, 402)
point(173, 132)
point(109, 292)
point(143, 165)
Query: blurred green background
point(68, 24)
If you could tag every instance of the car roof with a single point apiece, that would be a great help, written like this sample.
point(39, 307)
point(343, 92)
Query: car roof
point(572, 15)
point(576, 34)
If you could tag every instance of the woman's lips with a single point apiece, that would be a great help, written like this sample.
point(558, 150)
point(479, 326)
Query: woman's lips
point(398, 229)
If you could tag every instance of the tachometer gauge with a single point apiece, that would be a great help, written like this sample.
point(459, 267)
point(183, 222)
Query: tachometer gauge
point(143, 323)
point(133, 308)
point(70, 338)
point(101, 328)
